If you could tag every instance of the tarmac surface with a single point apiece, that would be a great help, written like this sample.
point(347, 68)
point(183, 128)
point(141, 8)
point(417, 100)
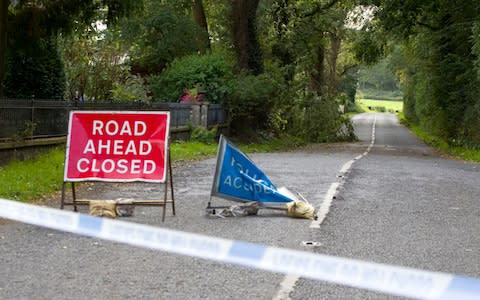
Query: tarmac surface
point(400, 204)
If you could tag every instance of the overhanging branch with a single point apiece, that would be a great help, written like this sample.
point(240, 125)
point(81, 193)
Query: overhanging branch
point(320, 8)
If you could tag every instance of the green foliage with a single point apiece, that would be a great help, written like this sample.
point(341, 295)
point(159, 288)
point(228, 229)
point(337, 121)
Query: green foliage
point(251, 101)
point(34, 72)
point(348, 85)
point(158, 35)
point(211, 71)
point(454, 148)
point(378, 76)
point(471, 133)
point(133, 89)
point(33, 65)
point(26, 132)
point(476, 46)
point(322, 122)
point(368, 47)
point(440, 71)
point(203, 135)
point(94, 65)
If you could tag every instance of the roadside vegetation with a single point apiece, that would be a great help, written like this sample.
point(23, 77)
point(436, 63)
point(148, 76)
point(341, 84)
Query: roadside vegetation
point(37, 178)
point(279, 68)
point(391, 106)
point(452, 149)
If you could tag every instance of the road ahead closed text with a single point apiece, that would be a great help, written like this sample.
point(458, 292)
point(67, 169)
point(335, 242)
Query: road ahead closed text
point(117, 146)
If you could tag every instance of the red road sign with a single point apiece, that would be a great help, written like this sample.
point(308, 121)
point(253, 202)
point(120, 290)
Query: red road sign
point(117, 146)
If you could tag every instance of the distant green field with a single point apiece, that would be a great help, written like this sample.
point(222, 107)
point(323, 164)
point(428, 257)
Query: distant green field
point(377, 105)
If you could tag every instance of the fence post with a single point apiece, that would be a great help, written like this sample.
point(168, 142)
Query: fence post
point(196, 115)
point(204, 115)
point(32, 120)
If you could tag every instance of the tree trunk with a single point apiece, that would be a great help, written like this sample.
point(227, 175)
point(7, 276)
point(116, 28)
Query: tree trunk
point(317, 76)
point(245, 40)
point(281, 19)
point(200, 18)
point(3, 42)
point(335, 43)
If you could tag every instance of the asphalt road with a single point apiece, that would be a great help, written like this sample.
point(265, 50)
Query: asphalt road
point(399, 204)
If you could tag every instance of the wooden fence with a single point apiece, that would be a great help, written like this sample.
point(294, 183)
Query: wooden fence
point(33, 119)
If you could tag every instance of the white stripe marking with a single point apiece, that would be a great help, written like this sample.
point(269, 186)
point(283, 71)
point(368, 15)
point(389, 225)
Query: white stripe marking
point(346, 166)
point(389, 279)
point(286, 287)
point(325, 207)
point(289, 281)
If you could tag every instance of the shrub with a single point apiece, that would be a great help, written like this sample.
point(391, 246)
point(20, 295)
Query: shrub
point(251, 101)
point(211, 71)
point(133, 89)
point(35, 72)
point(471, 134)
point(203, 135)
point(320, 121)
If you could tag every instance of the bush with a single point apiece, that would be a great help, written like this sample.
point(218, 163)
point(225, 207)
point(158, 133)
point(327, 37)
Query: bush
point(35, 72)
point(321, 122)
point(160, 33)
point(203, 135)
point(133, 89)
point(210, 71)
point(251, 101)
point(471, 134)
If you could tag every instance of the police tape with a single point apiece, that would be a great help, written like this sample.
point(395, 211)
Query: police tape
point(365, 275)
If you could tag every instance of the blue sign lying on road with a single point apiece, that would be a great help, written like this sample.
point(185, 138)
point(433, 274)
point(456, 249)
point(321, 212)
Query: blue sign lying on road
point(238, 178)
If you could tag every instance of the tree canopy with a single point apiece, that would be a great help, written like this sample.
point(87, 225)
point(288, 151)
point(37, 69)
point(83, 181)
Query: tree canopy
point(27, 37)
point(440, 66)
point(303, 58)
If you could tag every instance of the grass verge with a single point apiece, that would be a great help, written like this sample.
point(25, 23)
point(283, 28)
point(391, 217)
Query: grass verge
point(441, 145)
point(37, 178)
point(380, 105)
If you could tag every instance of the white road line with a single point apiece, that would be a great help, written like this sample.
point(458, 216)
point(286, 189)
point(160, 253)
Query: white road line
point(325, 207)
point(289, 281)
point(286, 287)
point(347, 166)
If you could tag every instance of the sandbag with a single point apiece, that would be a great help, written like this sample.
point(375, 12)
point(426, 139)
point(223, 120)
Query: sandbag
point(300, 209)
point(102, 208)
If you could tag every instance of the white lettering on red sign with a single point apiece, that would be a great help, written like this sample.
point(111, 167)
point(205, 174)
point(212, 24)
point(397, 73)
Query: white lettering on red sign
point(112, 128)
point(117, 146)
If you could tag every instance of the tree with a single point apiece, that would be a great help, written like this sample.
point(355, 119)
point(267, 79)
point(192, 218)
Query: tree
point(3, 41)
point(245, 36)
point(159, 34)
point(439, 39)
point(200, 18)
point(41, 20)
point(94, 63)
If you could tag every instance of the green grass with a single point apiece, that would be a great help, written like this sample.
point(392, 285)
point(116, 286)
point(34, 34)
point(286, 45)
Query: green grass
point(458, 152)
point(388, 105)
point(37, 178)
point(191, 150)
point(32, 179)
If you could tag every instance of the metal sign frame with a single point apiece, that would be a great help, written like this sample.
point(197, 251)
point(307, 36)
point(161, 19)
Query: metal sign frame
point(167, 175)
point(217, 177)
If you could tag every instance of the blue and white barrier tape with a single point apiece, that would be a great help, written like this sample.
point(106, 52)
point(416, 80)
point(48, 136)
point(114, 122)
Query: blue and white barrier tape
point(377, 277)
